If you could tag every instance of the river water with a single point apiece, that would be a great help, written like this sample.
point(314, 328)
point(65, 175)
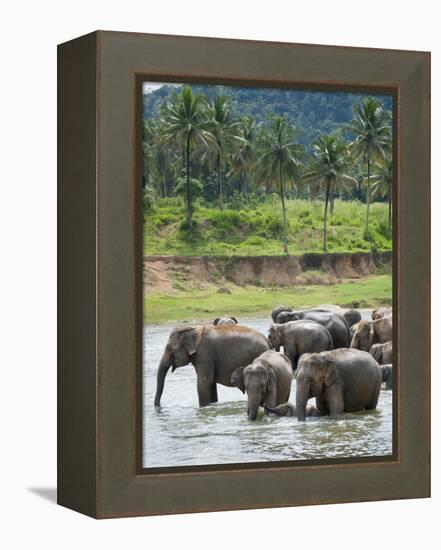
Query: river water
point(182, 434)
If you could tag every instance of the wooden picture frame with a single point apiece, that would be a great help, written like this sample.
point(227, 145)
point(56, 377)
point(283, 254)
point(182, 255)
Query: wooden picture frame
point(100, 286)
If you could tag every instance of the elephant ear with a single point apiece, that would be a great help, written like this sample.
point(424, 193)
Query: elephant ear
point(237, 378)
point(330, 373)
point(272, 382)
point(216, 321)
point(191, 339)
point(372, 333)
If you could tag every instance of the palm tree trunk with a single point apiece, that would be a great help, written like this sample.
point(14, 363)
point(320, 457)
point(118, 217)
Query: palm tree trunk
point(331, 201)
point(245, 183)
point(282, 198)
point(188, 186)
point(368, 194)
point(328, 185)
point(219, 180)
point(165, 186)
point(389, 199)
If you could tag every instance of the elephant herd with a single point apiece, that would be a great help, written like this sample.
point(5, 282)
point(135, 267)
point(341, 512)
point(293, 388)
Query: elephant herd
point(340, 359)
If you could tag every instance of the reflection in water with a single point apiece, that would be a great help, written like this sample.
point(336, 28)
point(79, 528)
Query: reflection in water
point(182, 434)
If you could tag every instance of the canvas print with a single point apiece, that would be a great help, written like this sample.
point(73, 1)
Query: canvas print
point(267, 275)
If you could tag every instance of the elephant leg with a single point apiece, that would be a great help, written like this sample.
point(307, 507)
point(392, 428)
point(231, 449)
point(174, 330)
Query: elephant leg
point(321, 405)
point(334, 397)
point(205, 382)
point(213, 396)
point(375, 395)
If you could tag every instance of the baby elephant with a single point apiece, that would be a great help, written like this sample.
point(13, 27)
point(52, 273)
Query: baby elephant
point(382, 353)
point(387, 376)
point(266, 380)
point(299, 337)
point(289, 409)
point(225, 321)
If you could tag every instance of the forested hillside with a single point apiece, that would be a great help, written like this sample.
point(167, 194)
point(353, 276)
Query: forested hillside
point(312, 113)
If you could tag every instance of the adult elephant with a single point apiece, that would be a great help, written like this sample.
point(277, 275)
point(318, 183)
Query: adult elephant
point(341, 380)
point(368, 333)
point(225, 321)
point(214, 352)
point(277, 310)
point(299, 337)
point(382, 353)
point(351, 316)
point(334, 322)
point(267, 380)
point(381, 312)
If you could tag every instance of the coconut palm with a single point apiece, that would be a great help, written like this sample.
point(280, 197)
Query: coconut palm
point(382, 183)
point(226, 132)
point(327, 170)
point(279, 159)
point(186, 125)
point(371, 125)
point(242, 158)
point(149, 132)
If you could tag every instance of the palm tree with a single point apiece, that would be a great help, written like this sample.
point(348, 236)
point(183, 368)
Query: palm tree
point(327, 170)
point(279, 158)
point(149, 133)
point(371, 125)
point(226, 132)
point(186, 125)
point(242, 158)
point(382, 183)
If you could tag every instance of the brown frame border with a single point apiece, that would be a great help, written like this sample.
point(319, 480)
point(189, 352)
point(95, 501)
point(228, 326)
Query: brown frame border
point(99, 245)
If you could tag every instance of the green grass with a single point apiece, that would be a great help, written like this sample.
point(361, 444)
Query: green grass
point(258, 231)
point(251, 301)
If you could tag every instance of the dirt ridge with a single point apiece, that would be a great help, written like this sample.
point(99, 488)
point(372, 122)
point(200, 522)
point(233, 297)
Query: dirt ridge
point(171, 274)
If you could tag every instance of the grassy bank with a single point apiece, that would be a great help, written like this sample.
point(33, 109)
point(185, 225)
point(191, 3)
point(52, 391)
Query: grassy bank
point(257, 302)
point(258, 230)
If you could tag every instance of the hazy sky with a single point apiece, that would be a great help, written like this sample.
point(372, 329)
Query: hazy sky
point(149, 87)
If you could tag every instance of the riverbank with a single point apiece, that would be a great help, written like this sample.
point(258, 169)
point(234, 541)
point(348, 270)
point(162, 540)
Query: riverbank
point(174, 274)
point(254, 301)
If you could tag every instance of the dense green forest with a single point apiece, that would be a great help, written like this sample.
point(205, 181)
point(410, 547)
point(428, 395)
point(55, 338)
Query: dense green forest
point(229, 155)
point(312, 113)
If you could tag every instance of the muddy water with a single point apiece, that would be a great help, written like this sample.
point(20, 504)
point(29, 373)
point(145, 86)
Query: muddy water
point(182, 434)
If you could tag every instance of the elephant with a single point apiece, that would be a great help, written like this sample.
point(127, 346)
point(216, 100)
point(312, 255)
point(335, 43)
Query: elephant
point(382, 353)
point(289, 409)
point(225, 321)
point(368, 333)
point(266, 380)
point(352, 330)
point(277, 310)
point(341, 380)
point(387, 375)
point(352, 316)
point(214, 351)
point(334, 322)
point(381, 312)
point(298, 337)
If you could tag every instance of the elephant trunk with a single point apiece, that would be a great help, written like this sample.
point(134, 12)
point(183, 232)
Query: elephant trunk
point(164, 365)
point(253, 407)
point(302, 395)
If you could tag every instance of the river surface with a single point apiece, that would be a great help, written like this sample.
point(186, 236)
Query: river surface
point(182, 434)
